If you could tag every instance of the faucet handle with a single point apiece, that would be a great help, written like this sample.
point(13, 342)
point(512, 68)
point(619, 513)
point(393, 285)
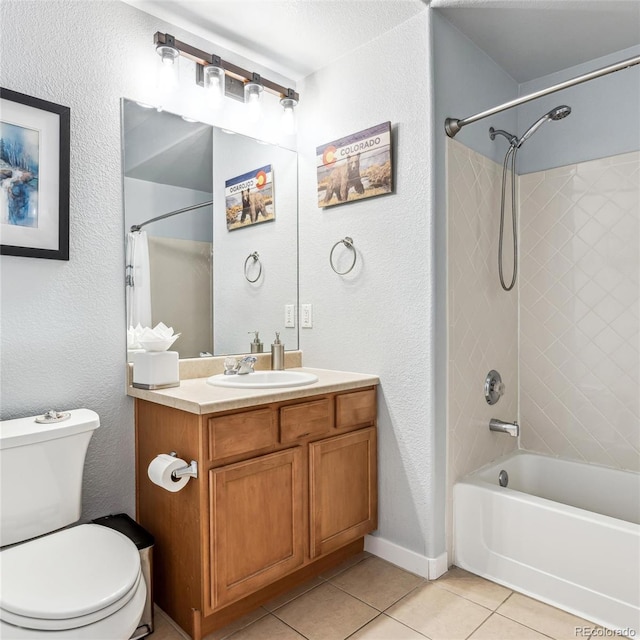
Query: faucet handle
point(230, 366)
point(245, 365)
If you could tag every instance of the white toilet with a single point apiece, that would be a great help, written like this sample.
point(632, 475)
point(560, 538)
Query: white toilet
point(83, 582)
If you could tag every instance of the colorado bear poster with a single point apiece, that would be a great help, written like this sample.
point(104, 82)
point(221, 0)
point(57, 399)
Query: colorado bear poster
point(355, 167)
point(249, 198)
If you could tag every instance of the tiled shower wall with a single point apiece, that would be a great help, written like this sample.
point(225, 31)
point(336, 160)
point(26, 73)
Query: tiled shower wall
point(577, 350)
point(579, 303)
point(482, 318)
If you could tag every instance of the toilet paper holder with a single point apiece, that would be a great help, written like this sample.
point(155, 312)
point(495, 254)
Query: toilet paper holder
point(190, 470)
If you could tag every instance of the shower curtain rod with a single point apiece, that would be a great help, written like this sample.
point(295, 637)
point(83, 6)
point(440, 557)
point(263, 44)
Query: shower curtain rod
point(137, 227)
point(453, 125)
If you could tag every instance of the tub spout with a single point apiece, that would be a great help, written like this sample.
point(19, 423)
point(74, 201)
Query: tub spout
point(512, 428)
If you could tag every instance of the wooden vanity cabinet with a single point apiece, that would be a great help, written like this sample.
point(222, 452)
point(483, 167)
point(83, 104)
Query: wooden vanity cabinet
point(284, 491)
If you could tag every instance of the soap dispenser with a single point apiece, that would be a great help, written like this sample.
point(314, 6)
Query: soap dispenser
point(277, 354)
point(256, 345)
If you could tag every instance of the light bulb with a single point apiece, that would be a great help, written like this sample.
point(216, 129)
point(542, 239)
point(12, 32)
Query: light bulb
point(168, 72)
point(214, 81)
point(288, 116)
point(252, 94)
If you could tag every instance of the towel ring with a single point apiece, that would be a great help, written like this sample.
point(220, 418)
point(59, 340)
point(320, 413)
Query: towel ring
point(347, 242)
point(256, 258)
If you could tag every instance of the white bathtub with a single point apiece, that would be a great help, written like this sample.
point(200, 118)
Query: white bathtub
point(563, 532)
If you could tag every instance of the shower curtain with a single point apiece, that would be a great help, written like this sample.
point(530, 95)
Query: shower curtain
point(138, 280)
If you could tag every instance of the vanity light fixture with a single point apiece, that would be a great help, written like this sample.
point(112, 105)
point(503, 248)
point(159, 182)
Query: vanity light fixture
point(221, 78)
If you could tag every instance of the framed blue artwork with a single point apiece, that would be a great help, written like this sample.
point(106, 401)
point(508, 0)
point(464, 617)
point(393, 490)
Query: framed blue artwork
point(34, 177)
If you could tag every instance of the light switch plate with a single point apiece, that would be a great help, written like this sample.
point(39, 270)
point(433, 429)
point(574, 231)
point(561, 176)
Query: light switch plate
point(289, 315)
point(306, 321)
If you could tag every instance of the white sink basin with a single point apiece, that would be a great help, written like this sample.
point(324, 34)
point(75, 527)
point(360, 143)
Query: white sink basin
point(263, 379)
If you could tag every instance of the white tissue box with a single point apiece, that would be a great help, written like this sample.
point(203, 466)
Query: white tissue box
point(156, 370)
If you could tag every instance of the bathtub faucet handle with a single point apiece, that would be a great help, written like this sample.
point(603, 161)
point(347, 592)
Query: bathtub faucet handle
point(493, 387)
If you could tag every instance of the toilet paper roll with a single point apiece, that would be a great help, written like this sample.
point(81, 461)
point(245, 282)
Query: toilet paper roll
point(161, 468)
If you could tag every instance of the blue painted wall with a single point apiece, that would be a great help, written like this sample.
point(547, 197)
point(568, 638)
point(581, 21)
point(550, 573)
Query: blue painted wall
point(605, 117)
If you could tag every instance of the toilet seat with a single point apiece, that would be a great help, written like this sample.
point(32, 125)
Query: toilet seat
point(68, 579)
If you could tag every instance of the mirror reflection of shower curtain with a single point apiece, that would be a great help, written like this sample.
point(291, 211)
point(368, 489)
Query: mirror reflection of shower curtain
point(138, 280)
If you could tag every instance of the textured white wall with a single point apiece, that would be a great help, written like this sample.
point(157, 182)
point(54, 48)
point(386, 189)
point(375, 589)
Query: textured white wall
point(63, 342)
point(378, 318)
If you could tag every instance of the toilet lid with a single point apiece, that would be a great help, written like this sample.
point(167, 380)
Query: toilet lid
point(68, 574)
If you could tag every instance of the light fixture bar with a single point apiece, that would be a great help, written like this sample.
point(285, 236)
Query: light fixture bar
point(203, 58)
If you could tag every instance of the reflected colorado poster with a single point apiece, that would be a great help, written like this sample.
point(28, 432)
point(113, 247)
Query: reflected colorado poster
point(249, 198)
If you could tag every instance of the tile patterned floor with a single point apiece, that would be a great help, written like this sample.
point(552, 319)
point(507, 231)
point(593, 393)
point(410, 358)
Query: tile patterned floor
point(367, 598)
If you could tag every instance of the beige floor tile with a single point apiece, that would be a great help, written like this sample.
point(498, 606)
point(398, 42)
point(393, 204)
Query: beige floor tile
point(164, 628)
point(269, 628)
point(499, 628)
point(238, 624)
point(274, 604)
point(542, 617)
point(438, 613)
point(468, 585)
point(359, 557)
point(385, 628)
point(326, 613)
point(376, 582)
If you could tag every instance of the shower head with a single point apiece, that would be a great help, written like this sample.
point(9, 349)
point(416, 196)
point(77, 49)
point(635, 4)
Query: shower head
point(555, 114)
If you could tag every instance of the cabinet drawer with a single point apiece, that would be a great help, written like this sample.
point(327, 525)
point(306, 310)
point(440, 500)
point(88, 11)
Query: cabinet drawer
point(305, 419)
point(356, 408)
point(241, 433)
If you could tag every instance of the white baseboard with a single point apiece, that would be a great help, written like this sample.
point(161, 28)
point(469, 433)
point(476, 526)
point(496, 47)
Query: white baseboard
point(430, 568)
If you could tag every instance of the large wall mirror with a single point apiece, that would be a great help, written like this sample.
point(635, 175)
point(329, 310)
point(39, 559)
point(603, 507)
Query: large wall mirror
point(218, 272)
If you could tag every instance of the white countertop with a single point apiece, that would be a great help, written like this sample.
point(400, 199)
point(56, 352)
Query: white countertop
point(196, 396)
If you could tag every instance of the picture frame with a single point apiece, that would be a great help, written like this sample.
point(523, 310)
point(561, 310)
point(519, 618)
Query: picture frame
point(34, 177)
point(355, 167)
point(249, 198)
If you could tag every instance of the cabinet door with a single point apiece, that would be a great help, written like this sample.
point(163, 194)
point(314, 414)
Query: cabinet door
point(256, 533)
point(343, 490)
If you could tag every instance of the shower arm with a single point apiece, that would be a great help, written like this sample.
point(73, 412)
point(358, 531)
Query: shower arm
point(453, 125)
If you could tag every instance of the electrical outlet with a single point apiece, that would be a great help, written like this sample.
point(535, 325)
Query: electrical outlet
point(289, 315)
point(307, 316)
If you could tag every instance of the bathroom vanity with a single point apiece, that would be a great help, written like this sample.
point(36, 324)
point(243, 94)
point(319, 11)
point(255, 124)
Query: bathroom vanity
point(286, 488)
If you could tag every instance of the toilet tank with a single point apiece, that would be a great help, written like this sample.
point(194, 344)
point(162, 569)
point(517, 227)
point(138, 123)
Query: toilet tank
point(41, 468)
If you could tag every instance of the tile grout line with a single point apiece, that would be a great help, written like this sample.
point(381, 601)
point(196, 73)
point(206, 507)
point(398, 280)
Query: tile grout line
point(522, 623)
point(526, 626)
point(435, 583)
point(362, 626)
point(290, 627)
point(369, 604)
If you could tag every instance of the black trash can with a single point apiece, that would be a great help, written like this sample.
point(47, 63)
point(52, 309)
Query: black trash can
point(144, 542)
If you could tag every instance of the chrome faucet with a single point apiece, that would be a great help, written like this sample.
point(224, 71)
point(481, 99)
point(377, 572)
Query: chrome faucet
point(245, 365)
point(512, 428)
point(241, 366)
